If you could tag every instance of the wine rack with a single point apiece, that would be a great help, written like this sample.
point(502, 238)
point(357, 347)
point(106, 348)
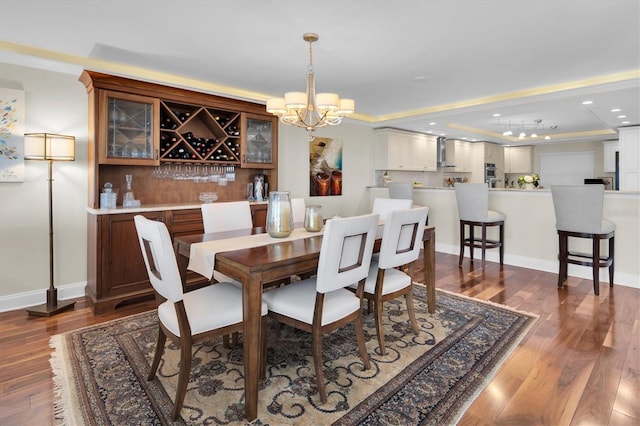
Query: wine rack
point(190, 133)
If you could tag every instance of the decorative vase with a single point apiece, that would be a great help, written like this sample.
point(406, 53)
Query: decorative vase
point(279, 217)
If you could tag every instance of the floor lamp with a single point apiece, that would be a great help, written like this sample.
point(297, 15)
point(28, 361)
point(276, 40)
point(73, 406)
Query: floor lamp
point(50, 147)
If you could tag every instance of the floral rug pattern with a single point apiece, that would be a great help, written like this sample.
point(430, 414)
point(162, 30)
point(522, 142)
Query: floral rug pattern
point(100, 371)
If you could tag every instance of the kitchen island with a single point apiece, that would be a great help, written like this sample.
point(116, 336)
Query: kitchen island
point(531, 240)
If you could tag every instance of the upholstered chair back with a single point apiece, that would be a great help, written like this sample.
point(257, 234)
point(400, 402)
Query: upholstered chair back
point(230, 216)
point(159, 258)
point(578, 208)
point(345, 254)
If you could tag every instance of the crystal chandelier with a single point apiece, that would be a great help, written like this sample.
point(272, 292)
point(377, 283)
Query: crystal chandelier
point(308, 110)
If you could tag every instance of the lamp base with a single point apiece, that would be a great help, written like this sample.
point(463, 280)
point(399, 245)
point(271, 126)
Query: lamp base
point(52, 307)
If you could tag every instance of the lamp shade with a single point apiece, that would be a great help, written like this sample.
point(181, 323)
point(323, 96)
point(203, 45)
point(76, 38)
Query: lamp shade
point(49, 146)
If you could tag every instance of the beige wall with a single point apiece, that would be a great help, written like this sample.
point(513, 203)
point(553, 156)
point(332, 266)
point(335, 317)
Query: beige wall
point(54, 103)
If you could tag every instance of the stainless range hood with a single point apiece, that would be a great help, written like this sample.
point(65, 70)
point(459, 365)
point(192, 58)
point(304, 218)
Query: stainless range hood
point(442, 153)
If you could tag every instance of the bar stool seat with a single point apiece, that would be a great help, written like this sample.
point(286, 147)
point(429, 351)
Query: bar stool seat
point(473, 210)
point(578, 210)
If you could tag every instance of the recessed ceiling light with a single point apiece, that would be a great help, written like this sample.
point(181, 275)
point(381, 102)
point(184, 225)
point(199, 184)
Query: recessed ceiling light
point(497, 115)
point(420, 79)
point(432, 123)
point(616, 110)
point(622, 116)
point(587, 102)
point(626, 122)
point(429, 131)
point(546, 138)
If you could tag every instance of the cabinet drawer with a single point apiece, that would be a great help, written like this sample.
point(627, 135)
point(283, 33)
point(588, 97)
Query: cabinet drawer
point(185, 222)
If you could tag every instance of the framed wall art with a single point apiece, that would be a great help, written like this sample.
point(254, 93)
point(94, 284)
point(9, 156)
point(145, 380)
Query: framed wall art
point(11, 135)
point(325, 165)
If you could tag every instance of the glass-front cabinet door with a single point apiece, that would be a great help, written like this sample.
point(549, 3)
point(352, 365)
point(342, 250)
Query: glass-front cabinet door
point(128, 129)
point(260, 141)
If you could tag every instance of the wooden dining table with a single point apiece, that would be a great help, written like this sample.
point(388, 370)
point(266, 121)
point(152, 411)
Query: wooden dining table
point(256, 266)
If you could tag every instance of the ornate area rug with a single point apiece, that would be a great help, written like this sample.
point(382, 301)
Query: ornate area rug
point(100, 371)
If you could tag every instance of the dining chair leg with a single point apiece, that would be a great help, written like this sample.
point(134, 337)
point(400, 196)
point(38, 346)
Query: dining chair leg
point(317, 363)
point(183, 376)
point(362, 347)
point(408, 299)
point(162, 339)
point(377, 310)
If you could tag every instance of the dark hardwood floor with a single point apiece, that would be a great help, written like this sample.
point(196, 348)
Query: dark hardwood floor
point(579, 365)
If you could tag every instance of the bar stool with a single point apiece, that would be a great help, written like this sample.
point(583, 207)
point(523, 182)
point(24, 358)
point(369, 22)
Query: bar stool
point(473, 210)
point(578, 210)
point(400, 190)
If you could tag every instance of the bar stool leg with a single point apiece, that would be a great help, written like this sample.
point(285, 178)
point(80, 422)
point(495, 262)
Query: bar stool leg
point(596, 264)
point(461, 243)
point(484, 243)
point(611, 253)
point(472, 240)
point(562, 259)
point(502, 244)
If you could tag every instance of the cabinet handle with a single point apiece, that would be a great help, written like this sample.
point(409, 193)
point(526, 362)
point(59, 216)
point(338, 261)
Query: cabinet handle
point(155, 155)
point(244, 160)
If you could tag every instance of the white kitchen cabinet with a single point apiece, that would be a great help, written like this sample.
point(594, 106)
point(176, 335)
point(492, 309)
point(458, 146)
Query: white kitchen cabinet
point(609, 154)
point(399, 150)
point(629, 158)
point(459, 153)
point(423, 153)
point(518, 159)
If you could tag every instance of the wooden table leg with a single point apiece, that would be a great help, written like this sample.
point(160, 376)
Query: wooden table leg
point(429, 244)
point(252, 309)
point(182, 262)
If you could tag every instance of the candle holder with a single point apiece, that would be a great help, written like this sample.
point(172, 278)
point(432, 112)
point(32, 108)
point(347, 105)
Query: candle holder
point(313, 218)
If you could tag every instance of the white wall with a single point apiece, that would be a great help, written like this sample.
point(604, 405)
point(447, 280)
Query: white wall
point(54, 103)
point(357, 167)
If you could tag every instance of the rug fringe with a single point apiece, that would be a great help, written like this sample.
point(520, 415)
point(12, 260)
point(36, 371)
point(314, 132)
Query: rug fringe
point(62, 403)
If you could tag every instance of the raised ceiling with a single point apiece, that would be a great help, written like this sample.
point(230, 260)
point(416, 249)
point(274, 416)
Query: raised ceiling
point(406, 63)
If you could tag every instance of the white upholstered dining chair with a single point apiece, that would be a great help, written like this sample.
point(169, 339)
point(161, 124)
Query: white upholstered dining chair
point(387, 279)
point(322, 303)
point(186, 318)
point(382, 206)
point(229, 216)
point(298, 207)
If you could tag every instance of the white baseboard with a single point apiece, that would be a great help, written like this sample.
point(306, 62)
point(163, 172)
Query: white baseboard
point(13, 302)
point(627, 280)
